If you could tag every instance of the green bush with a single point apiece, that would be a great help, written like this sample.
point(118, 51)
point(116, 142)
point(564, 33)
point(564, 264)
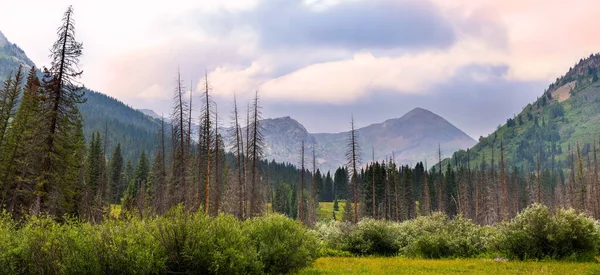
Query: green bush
point(10, 259)
point(536, 234)
point(220, 246)
point(371, 237)
point(283, 245)
point(437, 236)
point(179, 242)
point(434, 236)
point(128, 246)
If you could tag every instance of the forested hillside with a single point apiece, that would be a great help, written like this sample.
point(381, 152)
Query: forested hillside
point(565, 116)
point(135, 131)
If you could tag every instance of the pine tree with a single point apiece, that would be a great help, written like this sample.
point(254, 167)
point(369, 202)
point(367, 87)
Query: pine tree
point(179, 117)
point(206, 129)
point(580, 183)
point(94, 164)
point(11, 98)
point(238, 150)
point(132, 198)
point(504, 202)
point(301, 190)
point(20, 159)
point(60, 116)
point(115, 175)
point(256, 153)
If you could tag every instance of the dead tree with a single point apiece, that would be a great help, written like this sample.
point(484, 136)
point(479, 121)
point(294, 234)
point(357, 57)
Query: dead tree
point(353, 156)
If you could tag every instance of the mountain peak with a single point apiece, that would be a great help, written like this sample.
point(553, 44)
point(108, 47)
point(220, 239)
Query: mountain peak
point(419, 111)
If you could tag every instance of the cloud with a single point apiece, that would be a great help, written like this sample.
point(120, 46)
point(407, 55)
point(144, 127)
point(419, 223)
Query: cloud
point(354, 25)
point(468, 60)
point(473, 104)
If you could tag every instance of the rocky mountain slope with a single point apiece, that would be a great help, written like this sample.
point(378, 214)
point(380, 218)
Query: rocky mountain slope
point(411, 138)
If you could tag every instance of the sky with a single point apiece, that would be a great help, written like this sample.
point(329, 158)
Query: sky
point(474, 62)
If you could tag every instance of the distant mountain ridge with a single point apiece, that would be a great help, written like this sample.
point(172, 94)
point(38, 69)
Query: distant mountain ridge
point(409, 139)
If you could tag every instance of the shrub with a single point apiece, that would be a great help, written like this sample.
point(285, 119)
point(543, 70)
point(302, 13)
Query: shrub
point(536, 234)
point(10, 259)
point(437, 236)
point(129, 247)
point(371, 237)
point(283, 245)
point(219, 246)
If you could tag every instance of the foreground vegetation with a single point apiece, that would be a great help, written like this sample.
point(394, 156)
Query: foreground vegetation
point(398, 265)
point(179, 242)
point(194, 243)
point(535, 233)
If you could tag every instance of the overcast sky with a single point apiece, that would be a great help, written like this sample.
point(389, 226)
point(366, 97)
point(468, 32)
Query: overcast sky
point(474, 62)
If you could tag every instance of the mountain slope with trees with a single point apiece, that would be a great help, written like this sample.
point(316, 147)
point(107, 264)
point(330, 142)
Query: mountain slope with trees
point(549, 130)
point(135, 131)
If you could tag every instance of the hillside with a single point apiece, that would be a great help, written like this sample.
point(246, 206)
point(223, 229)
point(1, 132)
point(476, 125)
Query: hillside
point(565, 115)
point(135, 131)
point(411, 138)
point(10, 57)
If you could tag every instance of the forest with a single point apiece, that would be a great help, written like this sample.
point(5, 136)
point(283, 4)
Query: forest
point(196, 202)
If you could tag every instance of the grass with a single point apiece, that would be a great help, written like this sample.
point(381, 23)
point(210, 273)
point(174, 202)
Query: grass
point(400, 265)
point(325, 211)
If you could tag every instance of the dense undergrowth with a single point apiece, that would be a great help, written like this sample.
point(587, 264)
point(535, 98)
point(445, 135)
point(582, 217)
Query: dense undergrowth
point(192, 243)
point(536, 233)
point(178, 242)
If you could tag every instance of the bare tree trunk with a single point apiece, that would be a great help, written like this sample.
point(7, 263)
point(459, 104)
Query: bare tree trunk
point(217, 172)
point(353, 161)
point(374, 215)
point(504, 184)
point(301, 201)
point(239, 147)
point(441, 187)
point(207, 142)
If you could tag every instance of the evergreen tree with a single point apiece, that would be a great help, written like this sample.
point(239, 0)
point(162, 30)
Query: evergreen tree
point(133, 198)
point(60, 114)
point(115, 174)
point(11, 97)
point(20, 158)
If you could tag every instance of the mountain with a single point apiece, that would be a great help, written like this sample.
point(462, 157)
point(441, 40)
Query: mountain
point(565, 116)
point(411, 138)
point(10, 57)
point(135, 131)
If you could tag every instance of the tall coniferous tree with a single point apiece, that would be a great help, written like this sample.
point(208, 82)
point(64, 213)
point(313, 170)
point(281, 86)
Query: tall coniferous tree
point(301, 190)
point(206, 129)
point(238, 150)
point(20, 155)
point(9, 106)
point(256, 152)
point(580, 183)
point(157, 177)
point(217, 164)
point(504, 190)
point(353, 157)
point(441, 190)
point(61, 115)
point(115, 174)
point(179, 118)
